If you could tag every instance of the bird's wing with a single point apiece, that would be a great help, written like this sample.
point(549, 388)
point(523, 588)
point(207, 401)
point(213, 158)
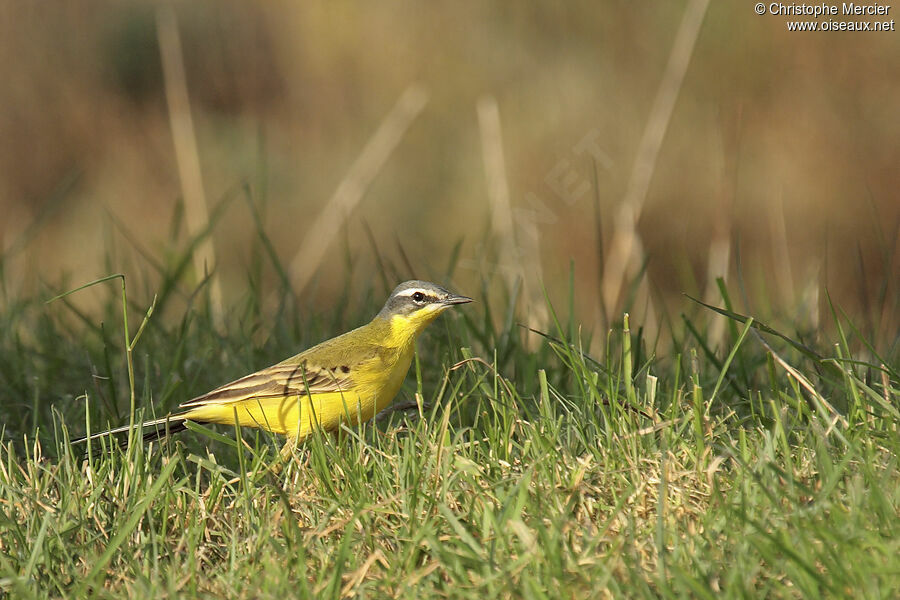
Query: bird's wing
point(288, 378)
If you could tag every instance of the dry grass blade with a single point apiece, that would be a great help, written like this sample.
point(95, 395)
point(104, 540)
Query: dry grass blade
point(495, 169)
point(625, 248)
point(781, 253)
point(357, 577)
point(350, 191)
point(514, 251)
point(717, 266)
point(186, 154)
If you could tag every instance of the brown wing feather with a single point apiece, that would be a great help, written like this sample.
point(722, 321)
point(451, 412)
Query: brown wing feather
point(283, 379)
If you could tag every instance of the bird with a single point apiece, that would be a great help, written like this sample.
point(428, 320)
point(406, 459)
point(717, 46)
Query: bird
point(347, 379)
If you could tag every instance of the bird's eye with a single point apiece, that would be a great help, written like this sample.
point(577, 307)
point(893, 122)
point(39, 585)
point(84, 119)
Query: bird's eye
point(418, 297)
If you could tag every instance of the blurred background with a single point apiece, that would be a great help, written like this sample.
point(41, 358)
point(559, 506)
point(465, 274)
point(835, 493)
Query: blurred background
point(632, 149)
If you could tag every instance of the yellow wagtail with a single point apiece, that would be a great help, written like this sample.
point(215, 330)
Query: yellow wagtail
point(347, 379)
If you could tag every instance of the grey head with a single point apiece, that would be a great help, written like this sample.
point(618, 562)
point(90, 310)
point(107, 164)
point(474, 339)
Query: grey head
point(412, 296)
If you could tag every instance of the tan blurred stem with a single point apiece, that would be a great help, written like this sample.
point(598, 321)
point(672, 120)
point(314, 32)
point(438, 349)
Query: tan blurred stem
point(717, 266)
point(512, 257)
point(325, 227)
point(783, 273)
point(719, 257)
point(186, 154)
point(811, 296)
point(625, 254)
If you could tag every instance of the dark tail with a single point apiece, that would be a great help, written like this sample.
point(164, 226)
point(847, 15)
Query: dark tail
point(152, 430)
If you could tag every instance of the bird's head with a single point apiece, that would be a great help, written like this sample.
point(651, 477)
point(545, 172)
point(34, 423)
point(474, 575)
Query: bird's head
point(415, 304)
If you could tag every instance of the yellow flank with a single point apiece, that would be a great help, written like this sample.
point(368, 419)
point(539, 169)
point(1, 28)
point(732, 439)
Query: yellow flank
point(293, 416)
point(347, 379)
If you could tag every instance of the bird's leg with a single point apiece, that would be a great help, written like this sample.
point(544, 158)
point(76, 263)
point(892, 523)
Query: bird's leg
point(284, 457)
point(287, 451)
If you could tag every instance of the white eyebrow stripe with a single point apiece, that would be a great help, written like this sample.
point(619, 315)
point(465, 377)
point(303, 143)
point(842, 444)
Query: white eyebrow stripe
point(412, 291)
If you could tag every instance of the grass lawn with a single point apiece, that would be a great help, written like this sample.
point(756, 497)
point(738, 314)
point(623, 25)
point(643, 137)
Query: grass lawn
point(513, 465)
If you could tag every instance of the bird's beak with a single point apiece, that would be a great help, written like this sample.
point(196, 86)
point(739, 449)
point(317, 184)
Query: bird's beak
point(455, 299)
